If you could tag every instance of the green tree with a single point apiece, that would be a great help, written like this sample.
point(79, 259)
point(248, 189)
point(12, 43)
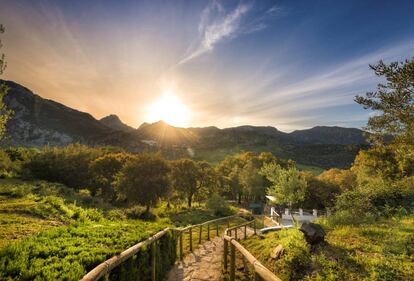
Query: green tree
point(288, 186)
point(68, 165)
point(393, 101)
point(186, 175)
point(103, 171)
point(144, 180)
point(5, 113)
point(319, 194)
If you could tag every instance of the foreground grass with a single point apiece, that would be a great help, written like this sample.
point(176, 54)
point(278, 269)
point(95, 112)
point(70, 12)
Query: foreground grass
point(51, 232)
point(68, 252)
point(380, 251)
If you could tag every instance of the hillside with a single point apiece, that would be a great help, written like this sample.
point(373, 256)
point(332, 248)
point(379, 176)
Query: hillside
point(329, 135)
point(112, 121)
point(38, 122)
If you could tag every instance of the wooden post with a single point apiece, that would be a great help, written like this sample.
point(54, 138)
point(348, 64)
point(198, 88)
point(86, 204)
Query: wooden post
point(225, 254)
point(191, 238)
point(254, 227)
point(201, 232)
point(154, 261)
point(235, 234)
point(208, 232)
point(228, 223)
point(217, 229)
point(232, 262)
point(181, 246)
point(245, 231)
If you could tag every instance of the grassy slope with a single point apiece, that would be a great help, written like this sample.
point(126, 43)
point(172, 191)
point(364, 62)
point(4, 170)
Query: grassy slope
point(50, 232)
point(381, 251)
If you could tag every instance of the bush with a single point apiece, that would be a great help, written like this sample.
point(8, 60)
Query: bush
point(68, 165)
point(218, 205)
point(5, 165)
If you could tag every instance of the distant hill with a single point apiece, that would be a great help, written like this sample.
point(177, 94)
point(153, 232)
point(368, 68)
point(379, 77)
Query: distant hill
point(112, 121)
point(38, 122)
point(329, 135)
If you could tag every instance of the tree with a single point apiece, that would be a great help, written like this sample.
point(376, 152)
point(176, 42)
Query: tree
point(319, 193)
point(68, 165)
point(103, 171)
point(5, 113)
point(144, 180)
point(343, 179)
point(393, 102)
point(186, 175)
point(288, 186)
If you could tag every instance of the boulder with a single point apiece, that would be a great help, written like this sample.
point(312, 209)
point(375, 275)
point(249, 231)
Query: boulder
point(314, 233)
point(277, 252)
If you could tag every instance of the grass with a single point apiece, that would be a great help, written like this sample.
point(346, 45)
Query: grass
point(379, 251)
point(68, 252)
point(51, 232)
point(315, 170)
point(26, 208)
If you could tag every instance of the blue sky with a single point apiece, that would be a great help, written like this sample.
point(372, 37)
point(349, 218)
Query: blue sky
point(288, 64)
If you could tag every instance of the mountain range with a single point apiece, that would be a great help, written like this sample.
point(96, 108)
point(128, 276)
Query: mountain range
point(37, 122)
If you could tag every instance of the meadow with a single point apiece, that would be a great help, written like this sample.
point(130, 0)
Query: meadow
point(381, 250)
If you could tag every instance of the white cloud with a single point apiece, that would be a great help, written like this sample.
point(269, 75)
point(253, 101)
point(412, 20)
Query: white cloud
point(214, 27)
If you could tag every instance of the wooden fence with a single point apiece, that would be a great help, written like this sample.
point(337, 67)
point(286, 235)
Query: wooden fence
point(260, 271)
point(108, 265)
point(105, 267)
point(209, 226)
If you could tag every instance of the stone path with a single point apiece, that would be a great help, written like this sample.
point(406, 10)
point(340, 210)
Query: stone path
point(205, 263)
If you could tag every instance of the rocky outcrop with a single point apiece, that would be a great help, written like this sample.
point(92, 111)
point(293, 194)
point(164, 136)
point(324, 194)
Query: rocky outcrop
point(314, 233)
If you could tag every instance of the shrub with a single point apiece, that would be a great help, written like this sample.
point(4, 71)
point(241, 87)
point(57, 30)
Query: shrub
point(5, 165)
point(218, 205)
point(68, 165)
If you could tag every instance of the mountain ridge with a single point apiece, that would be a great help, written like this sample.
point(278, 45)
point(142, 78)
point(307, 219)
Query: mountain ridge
point(38, 122)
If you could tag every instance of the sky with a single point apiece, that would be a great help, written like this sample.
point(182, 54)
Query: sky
point(288, 64)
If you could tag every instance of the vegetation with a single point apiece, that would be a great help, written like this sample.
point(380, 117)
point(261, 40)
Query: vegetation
point(288, 186)
point(382, 250)
point(143, 180)
point(393, 101)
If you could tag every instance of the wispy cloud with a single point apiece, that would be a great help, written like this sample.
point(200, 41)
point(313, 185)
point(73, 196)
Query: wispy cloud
point(217, 25)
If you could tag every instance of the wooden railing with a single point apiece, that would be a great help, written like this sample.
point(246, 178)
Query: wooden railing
point(260, 271)
point(212, 225)
point(107, 266)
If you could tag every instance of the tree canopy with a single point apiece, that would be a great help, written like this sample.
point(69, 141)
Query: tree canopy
point(144, 180)
point(287, 185)
point(393, 103)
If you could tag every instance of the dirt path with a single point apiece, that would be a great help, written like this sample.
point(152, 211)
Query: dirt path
point(205, 263)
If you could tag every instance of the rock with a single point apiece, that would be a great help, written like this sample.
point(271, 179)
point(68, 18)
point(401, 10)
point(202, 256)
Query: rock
point(314, 233)
point(277, 252)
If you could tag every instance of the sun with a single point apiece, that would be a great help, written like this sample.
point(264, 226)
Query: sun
point(170, 109)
